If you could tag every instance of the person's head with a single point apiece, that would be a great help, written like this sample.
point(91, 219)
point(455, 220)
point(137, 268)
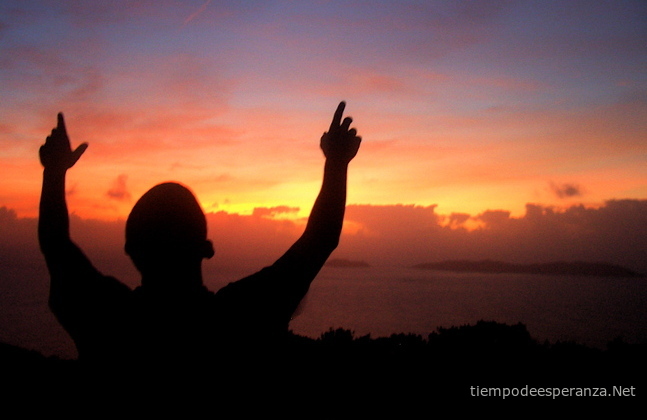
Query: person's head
point(167, 228)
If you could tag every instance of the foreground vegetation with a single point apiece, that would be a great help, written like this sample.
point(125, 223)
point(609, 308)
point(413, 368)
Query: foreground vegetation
point(401, 369)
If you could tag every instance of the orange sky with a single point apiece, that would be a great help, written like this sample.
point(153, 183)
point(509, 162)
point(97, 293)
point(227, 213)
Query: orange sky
point(467, 105)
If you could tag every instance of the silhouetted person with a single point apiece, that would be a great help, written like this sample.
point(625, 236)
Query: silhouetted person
point(172, 317)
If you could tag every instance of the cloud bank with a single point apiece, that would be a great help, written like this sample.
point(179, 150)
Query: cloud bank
point(615, 233)
point(397, 235)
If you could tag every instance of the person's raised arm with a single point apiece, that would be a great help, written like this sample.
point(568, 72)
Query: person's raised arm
point(57, 157)
point(321, 236)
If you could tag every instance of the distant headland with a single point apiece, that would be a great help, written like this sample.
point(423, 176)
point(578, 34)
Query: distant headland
point(575, 268)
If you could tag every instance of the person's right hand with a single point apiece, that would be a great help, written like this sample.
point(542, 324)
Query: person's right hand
point(56, 153)
point(340, 143)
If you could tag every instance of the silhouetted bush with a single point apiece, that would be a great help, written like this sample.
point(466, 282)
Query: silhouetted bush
point(373, 372)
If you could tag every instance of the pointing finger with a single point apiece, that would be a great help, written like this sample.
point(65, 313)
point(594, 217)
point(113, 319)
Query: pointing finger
point(336, 119)
point(61, 123)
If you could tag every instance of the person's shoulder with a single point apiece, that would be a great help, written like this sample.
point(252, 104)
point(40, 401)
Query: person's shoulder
point(253, 279)
point(257, 285)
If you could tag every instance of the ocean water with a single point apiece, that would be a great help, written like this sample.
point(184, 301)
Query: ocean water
point(383, 300)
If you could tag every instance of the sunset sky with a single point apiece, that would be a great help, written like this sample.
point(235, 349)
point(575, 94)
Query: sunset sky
point(504, 130)
point(469, 105)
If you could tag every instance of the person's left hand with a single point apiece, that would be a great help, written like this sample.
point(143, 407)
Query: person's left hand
point(56, 153)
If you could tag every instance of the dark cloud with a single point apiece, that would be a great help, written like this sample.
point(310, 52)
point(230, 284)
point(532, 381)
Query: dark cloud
point(566, 190)
point(119, 191)
point(494, 218)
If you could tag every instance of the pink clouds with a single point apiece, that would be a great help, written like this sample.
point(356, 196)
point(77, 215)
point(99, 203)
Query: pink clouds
point(467, 105)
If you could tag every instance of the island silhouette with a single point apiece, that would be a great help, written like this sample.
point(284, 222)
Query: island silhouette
point(573, 268)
